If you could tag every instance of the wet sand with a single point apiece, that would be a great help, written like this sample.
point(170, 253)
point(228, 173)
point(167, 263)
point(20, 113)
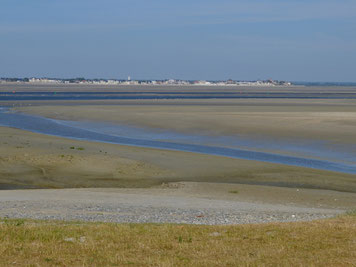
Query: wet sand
point(332, 121)
point(322, 120)
point(137, 185)
point(29, 160)
point(32, 160)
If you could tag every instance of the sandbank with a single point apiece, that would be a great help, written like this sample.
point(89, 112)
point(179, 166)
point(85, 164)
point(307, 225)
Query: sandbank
point(333, 121)
point(30, 160)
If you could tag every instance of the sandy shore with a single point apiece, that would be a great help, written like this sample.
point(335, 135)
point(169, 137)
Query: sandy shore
point(30, 160)
point(322, 120)
point(179, 187)
point(135, 184)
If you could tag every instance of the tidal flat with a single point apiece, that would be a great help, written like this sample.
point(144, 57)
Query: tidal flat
point(36, 161)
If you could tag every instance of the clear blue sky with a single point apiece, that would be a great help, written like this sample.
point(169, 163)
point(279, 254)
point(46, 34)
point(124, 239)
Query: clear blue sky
point(298, 40)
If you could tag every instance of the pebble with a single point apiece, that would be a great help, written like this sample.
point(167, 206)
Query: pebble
point(109, 212)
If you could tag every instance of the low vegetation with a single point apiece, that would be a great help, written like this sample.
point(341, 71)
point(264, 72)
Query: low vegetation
point(78, 148)
point(51, 162)
point(46, 243)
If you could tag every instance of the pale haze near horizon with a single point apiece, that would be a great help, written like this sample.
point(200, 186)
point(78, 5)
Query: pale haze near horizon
point(214, 40)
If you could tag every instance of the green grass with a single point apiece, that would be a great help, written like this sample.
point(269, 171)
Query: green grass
point(78, 148)
point(351, 212)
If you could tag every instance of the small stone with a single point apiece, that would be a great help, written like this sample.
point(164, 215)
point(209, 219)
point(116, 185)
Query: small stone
point(215, 234)
point(69, 239)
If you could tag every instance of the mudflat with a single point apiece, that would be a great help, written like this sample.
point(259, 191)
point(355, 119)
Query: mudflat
point(149, 185)
point(30, 160)
point(151, 176)
point(322, 120)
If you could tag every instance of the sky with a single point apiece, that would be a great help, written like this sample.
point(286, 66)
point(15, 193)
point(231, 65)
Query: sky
point(294, 40)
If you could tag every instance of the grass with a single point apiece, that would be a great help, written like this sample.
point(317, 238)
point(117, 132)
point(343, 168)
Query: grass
point(78, 148)
point(48, 243)
point(234, 192)
point(351, 212)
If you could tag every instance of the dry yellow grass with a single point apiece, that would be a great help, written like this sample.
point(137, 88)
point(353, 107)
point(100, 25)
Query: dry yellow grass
point(319, 243)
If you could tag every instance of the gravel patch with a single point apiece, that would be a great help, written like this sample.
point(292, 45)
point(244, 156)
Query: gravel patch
point(81, 205)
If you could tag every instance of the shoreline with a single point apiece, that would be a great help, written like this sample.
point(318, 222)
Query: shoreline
point(144, 175)
point(52, 162)
point(9, 87)
point(156, 186)
point(273, 118)
point(146, 139)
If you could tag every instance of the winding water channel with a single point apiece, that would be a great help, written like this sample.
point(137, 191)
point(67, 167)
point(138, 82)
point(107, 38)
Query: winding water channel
point(299, 154)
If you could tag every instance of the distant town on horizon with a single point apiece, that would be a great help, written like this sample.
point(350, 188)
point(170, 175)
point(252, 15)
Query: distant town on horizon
point(129, 81)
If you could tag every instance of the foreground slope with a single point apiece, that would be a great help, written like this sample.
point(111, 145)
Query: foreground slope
point(329, 242)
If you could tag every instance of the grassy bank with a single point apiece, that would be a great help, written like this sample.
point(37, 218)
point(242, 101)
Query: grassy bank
point(47, 243)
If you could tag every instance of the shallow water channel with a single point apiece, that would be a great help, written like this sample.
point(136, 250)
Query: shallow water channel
point(304, 153)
